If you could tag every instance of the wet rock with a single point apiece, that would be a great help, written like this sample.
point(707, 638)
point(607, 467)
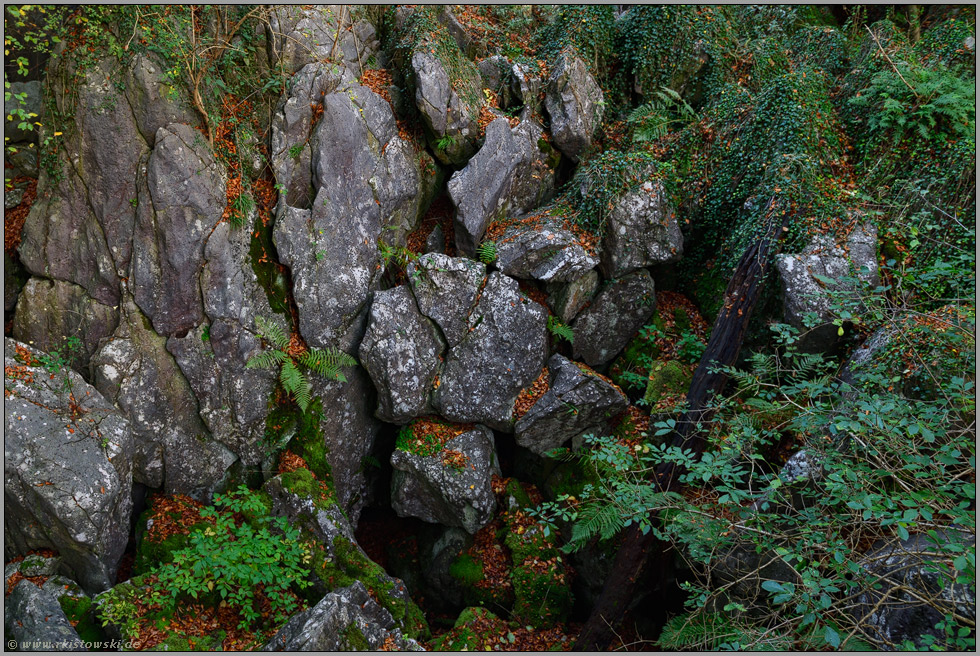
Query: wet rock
point(824, 272)
point(566, 299)
point(574, 102)
point(578, 401)
point(347, 619)
point(502, 353)
point(50, 310)
point(34, 621)
point(642, 231)
point(438, 491)
point(400, 351)
point(182, 202)
point(67, 471)
point(445, 289)
point(620, 309)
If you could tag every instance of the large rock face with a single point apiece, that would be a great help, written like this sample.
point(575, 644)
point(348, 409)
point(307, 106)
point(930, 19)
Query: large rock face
point(301, 35)
point(604, 328)
point(804, 291)
point(67, 470)
point(180, 206)
point(400, 351)
point(502, 353)
point(155, 102)
point(446, 289)
point(578, 401)
point(439, 490)
point(172, 448)
point(642, 231)
point(365, 179)
point(34, 621)
point(575, 104)
point(347, 619)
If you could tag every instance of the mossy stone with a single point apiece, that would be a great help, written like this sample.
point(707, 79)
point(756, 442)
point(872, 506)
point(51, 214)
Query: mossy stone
point(466, 569)
point(542, 600)
point(669, 377)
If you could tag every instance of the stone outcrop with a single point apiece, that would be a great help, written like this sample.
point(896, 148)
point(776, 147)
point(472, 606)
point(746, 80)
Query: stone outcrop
point(446, 290)
point(620, 309)
point(578, 401)
point(574, 102)
point(642, 230)
point(542, 250)
point(67, 469)
point(34, 621)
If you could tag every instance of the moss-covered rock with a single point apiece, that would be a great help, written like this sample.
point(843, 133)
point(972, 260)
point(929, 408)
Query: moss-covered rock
point(666, 378)
point(465, 636)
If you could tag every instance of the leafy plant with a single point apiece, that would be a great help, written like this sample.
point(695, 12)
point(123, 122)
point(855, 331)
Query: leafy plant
point(289, 355)
point(229, 561)
point(653, 120)
point(559, 329)
point(487, 252)
point(57, 362)
point(446, 142)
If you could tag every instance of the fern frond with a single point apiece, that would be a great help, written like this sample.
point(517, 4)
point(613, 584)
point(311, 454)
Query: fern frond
point(487, 252)
point(266, 359)
point(327, 362)
point(602, 519)
point(272, 332)
point(295, 383)
point(560, 330)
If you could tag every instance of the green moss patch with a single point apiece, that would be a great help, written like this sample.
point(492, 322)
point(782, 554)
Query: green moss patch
point(670, 378)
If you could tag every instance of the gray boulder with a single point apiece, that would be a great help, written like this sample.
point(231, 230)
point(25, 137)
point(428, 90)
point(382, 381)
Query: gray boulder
point(575, 104)
point(180, 205)
point(577, 402)
point(566, 299)
point(642, 231)
point(448, 116)
point(67, 471)
point(620, 309)
point(912, 594)
point(50, 310)
point(437, 491)
point(495, 71)
point(400, 351)
point(347, 619)
point(502, 354)
point(804, 291)
point(481, 191)
point(542, 250)
point(34, 621)
point(446, 289)
point(534, 177)
point(300, 35)
point(526, 85)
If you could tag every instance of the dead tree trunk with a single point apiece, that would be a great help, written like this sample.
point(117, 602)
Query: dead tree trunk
point(727, 334)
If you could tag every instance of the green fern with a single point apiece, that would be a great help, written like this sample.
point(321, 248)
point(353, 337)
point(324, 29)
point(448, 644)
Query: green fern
point(559, 329)
point(652, 120)
point(487, 252)
point(324, 362)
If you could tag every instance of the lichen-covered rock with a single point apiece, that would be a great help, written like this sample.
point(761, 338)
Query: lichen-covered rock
point(50, 310)
point(182, 201)
point(34, 621)
point(567, 298)
point(449, 117)
point(917, 595)
point(481, 190)
point(621, 308)
point(347, 619)
point(642, 231)
point(823, 272)
point(67, 469)
point(578, 401)
point(574, 102)
point(300, 35)
point(172, 448)
point(542, 250)
point(365, 180)
point(445, 289)
point(534, 177)
point(400, 351)
point(453, 491)
point(502, 353)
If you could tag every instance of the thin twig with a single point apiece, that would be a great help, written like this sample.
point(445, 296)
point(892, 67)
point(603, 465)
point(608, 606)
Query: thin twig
point(890, 60)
